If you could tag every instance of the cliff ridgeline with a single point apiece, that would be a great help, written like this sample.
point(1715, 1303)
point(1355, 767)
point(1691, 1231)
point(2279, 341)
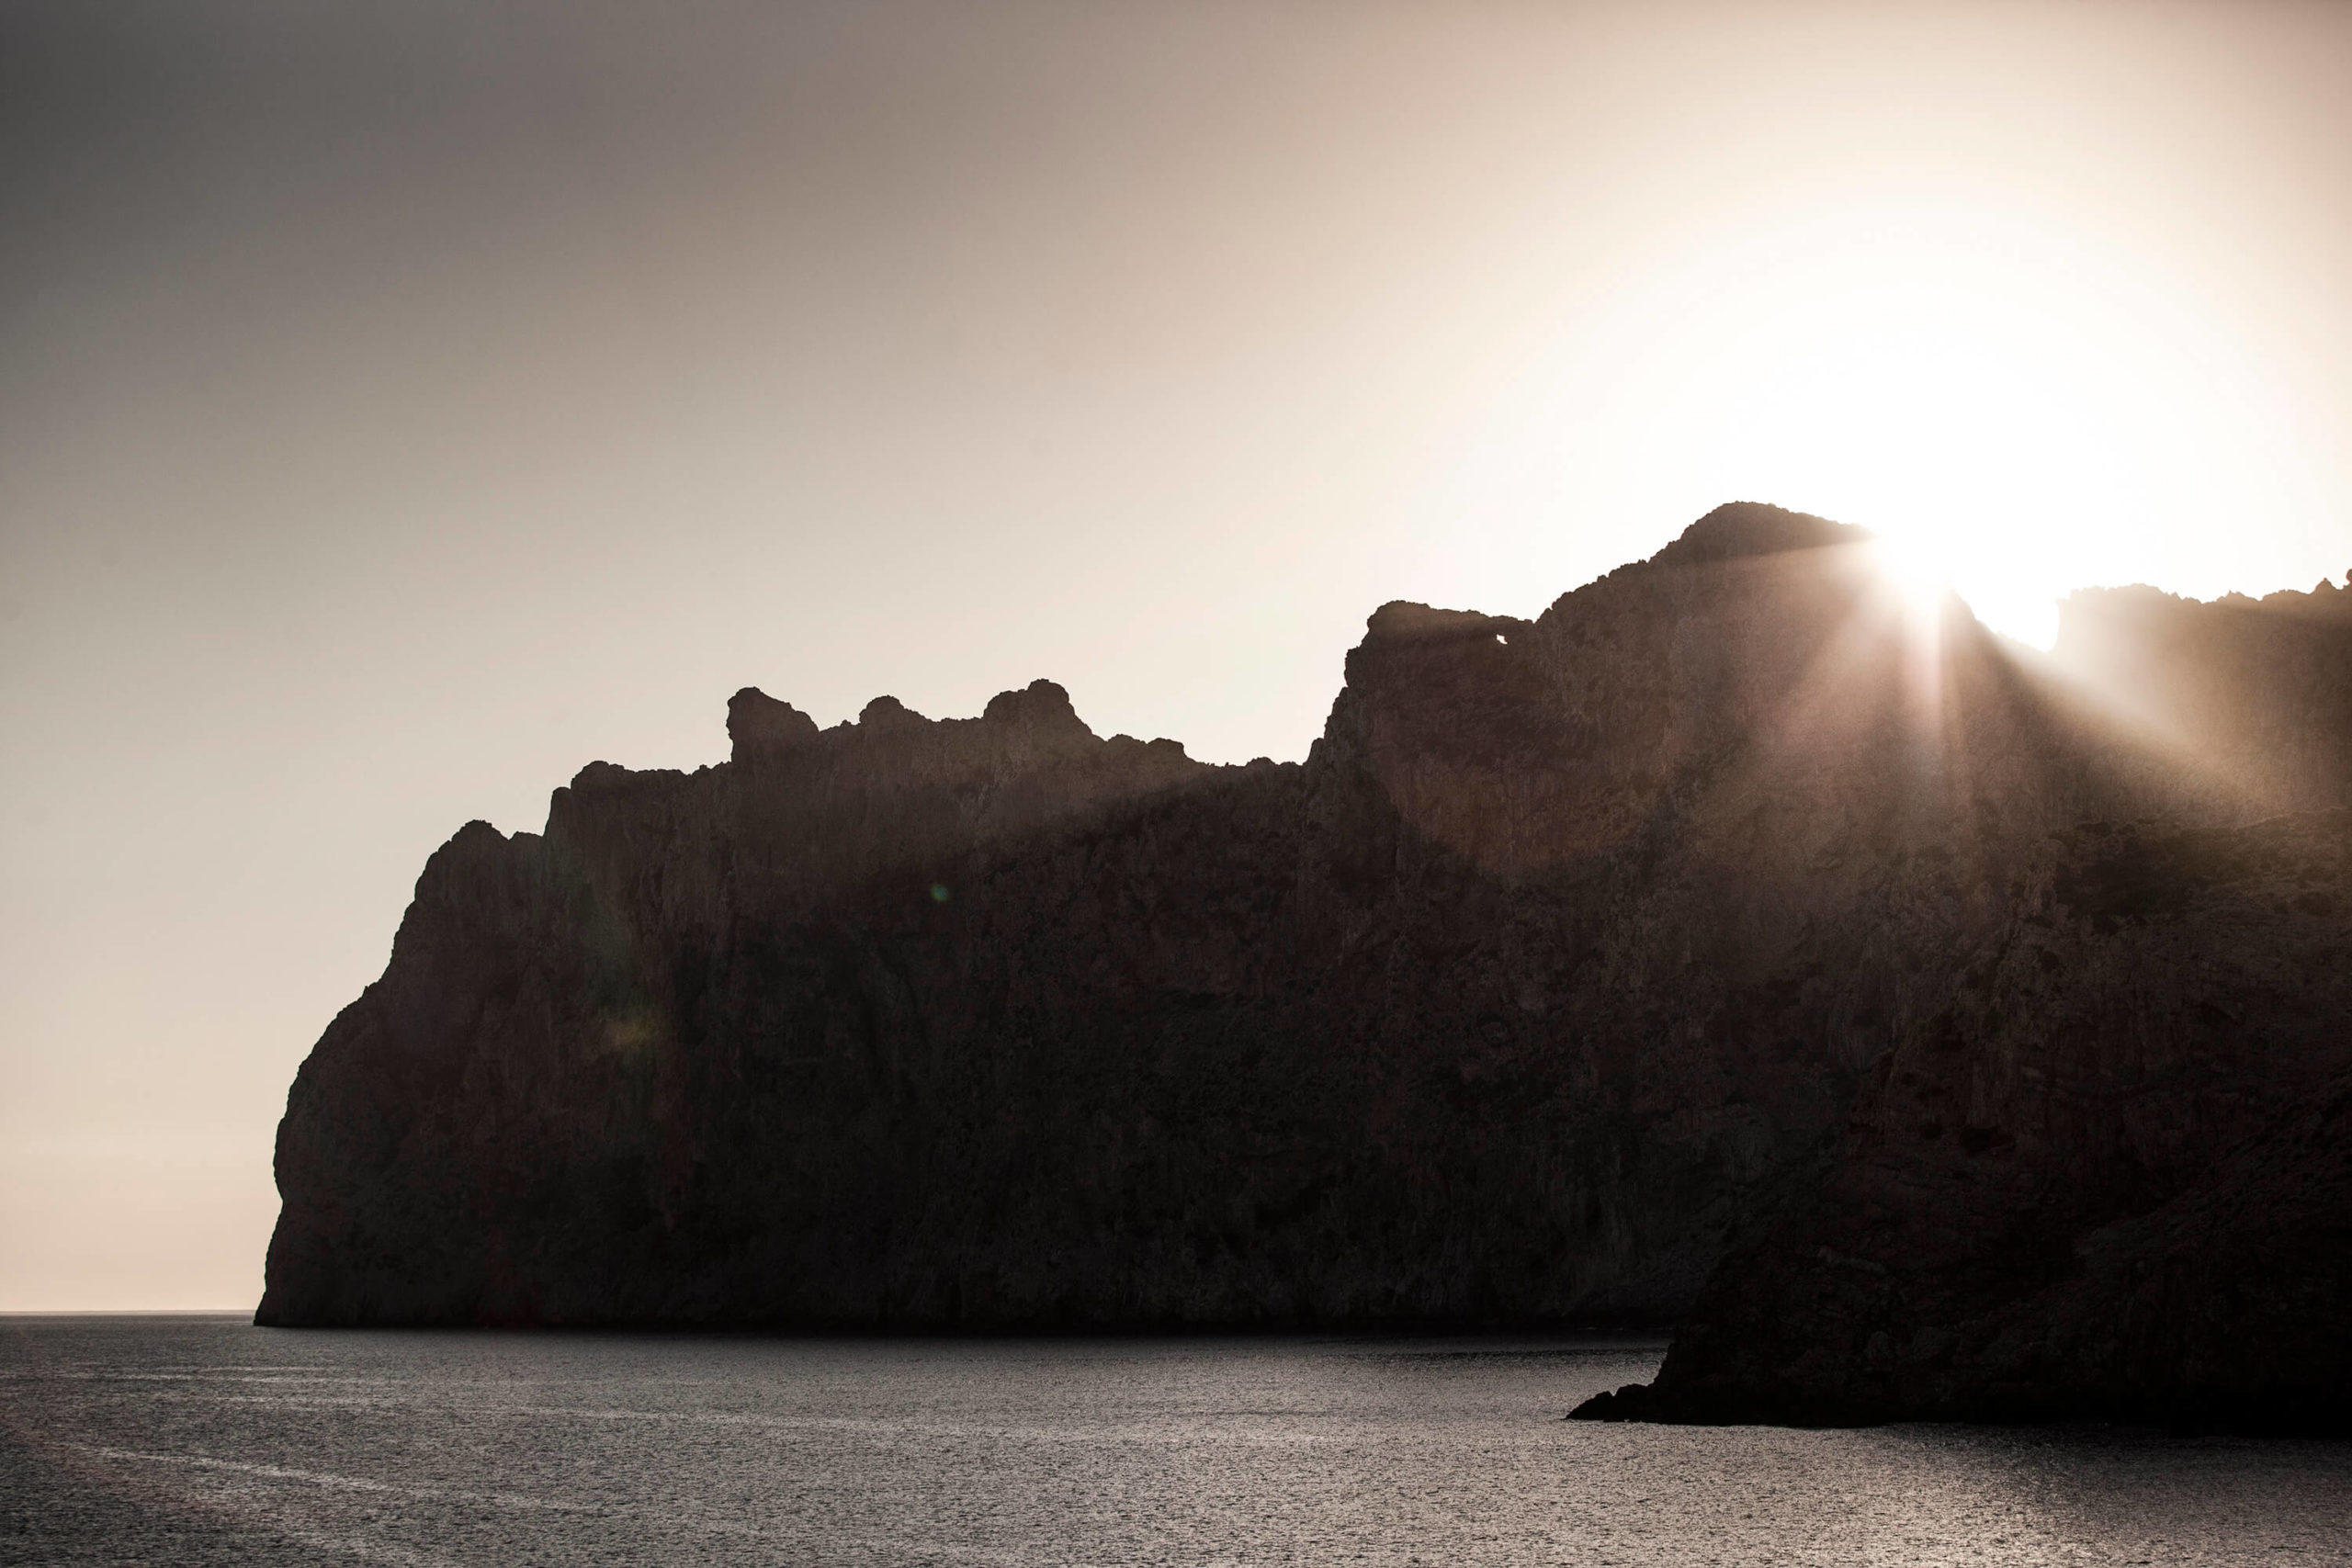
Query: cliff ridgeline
point(1929, 1027)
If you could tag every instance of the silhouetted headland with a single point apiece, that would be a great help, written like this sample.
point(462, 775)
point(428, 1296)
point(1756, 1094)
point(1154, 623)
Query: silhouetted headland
point(1928, 1027)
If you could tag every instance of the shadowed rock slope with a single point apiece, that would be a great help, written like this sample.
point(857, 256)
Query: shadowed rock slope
point(1577, 948)
point(2105, 1169)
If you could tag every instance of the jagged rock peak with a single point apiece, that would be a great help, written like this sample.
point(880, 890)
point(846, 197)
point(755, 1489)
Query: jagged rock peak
point(1401, 620)
point(1740, 529)
point(757, 723)
point(887, 713)
point(1041, 705)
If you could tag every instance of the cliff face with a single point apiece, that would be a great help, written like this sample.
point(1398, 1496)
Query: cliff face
point(2111, 1174)
point(1563, 958)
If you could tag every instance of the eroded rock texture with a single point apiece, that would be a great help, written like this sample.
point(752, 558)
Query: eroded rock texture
point(1577, 948)
point(2104, 1170)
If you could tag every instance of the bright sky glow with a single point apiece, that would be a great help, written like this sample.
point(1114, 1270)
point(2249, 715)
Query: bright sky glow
point(2025, 408)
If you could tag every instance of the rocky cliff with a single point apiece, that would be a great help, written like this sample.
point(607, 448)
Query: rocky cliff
point(2107, 1170)
point(1578, 950)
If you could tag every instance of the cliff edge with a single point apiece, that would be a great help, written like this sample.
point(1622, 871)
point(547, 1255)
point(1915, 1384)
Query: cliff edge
point(2109, 1175)
point(1564, 970)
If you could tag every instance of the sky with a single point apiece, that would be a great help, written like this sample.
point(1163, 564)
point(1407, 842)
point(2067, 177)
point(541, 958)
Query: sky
point(401, 406)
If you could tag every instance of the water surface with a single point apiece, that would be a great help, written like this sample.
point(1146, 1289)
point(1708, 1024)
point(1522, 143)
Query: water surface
point(196, 1441)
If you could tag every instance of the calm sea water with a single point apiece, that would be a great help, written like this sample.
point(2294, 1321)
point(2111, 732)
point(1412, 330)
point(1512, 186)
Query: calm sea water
point(202, 1440)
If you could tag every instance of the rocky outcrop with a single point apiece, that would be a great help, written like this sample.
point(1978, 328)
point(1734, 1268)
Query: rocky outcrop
point(1579, 949)
point(2109, 1173)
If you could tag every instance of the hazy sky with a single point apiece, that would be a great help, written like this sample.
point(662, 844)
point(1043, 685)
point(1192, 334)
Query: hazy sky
point(402, 405)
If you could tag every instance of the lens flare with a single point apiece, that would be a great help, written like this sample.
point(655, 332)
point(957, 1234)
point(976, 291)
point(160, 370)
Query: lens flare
point(1919, 574)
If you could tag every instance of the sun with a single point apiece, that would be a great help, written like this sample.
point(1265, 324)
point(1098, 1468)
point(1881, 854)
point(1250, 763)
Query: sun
point(1918, 573)
point(2022, 406)
point(2016, 425)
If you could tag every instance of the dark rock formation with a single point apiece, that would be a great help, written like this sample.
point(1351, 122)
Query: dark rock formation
point(1577, 948)
point(2107, 1171)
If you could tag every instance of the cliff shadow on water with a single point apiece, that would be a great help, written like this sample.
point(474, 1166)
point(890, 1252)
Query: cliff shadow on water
point(1591, 970)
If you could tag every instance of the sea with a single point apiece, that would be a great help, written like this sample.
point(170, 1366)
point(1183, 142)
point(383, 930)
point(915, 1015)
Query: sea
point(202, 1440)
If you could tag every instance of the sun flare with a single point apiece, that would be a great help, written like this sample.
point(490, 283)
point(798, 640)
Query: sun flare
point(2021, 404)
point(2003, 433)
point(1913, 565)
